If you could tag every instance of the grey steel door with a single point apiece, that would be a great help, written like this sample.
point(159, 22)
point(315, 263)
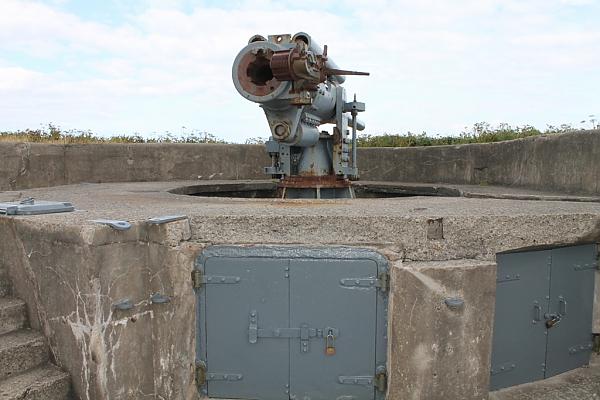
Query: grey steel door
point(291, 323)
point(571, 297)
point(543, 320)
point(318, 300)
point(519, 349)
point(236, 368)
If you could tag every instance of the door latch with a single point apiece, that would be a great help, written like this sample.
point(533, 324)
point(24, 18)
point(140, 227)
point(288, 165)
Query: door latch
point(304, 333)
point(330, 343)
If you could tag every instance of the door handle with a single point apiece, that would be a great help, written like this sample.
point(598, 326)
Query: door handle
point(562, 306)
point(537, 312)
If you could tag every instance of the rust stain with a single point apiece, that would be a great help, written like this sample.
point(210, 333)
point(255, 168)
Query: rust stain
point(309, 182)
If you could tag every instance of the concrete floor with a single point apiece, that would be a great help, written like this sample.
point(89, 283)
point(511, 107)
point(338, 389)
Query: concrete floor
point(580, 384)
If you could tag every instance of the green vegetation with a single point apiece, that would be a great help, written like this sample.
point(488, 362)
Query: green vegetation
point(480, 133)
point(54, 134)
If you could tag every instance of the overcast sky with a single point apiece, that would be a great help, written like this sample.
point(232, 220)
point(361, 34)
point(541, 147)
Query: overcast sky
point(150, 66)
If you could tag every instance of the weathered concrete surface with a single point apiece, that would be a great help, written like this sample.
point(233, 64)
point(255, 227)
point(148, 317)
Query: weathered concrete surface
point(21, 350)
point(580, 384)
point(441, 353)
point(473, 228)
point(566, 163)
point(470, 191)
point(43, 383)
point(13, 314)
point(28, 165)
point(70, 282)
point(70, 271)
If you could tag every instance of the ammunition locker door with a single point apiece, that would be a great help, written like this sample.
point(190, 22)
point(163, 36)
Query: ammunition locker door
point(571, 297)
point(318, 299)
point(519, 338)
point(241, 369)
point(543, 319)
point(291, 323)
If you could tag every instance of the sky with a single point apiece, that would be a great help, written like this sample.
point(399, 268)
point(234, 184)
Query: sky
point(153, 66)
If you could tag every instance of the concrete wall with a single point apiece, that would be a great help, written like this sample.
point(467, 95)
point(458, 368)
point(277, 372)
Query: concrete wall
point(564, 163)
point(71, 278)
point(29, 165)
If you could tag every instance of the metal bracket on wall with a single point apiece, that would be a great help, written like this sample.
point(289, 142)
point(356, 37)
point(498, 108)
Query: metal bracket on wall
point(30, 206)
point(165, 219)
point(113, 223)
point(199, 279)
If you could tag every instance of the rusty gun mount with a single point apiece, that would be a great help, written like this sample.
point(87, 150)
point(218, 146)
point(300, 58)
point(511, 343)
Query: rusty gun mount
point(299, 88)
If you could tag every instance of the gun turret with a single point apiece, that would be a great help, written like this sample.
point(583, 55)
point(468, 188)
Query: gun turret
point(299, 88)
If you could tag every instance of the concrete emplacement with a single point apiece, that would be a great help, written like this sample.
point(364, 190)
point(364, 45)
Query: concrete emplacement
point(440, 241)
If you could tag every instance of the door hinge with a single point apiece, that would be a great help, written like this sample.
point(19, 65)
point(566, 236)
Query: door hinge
point(199, 279)
point(383, 283)
point(356, 380)
point(200, 374)
point(196, 279)
point(381, 379)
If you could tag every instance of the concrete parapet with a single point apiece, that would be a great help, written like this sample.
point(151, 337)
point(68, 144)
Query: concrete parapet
point(29, 165)
point(565, 163)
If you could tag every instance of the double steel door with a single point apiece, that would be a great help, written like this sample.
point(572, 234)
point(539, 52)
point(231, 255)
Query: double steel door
point(543, 319)
point(291, 323)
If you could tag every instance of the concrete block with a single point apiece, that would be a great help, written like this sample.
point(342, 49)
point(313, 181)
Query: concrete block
point(13, 315)
point(438, 352)
point(20, 351)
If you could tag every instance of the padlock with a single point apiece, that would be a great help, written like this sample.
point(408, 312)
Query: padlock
point(552, 320)
point(330, 344)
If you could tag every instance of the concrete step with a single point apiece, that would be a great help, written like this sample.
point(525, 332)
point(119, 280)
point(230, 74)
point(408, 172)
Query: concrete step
point(47, 382)
point(20, 351)
point(5, 286)
point(13, 315)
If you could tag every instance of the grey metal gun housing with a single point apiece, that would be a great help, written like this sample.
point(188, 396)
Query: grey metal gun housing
point(299, 88)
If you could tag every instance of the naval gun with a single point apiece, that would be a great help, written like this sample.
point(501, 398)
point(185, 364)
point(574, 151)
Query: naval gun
point(299, 87)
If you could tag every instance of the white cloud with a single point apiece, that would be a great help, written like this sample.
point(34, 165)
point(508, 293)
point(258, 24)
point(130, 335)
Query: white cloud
point(435, 64)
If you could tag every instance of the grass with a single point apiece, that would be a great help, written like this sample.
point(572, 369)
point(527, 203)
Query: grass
point(54, 134)
point(482, 132)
